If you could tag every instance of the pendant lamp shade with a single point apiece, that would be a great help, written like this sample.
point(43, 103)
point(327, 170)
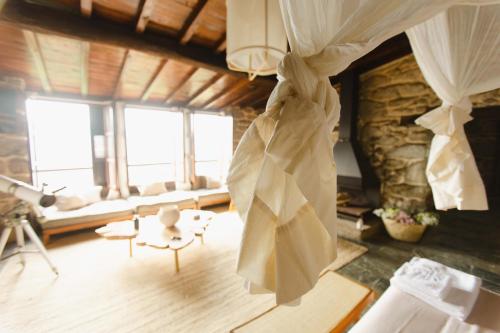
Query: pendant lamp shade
point(256, 38)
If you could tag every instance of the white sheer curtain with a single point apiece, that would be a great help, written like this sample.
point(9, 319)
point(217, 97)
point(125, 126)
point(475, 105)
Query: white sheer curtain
point(283, 178)
point(458, 52)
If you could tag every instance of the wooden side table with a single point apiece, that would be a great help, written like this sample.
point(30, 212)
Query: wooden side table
point(119, 230)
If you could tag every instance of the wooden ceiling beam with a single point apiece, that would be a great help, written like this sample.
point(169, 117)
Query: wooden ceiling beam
point(86, 8)
point(221, 44)
point(237, 86)
point(235, 98)
point(204, 87)
point(252, 96)
point(123, 69)
point(258, 101)
point(184, 80)
point(60, 22)
point(152, 81)
point(84, 68)
point(191, 24)
point(144, 12)
point(34, 47)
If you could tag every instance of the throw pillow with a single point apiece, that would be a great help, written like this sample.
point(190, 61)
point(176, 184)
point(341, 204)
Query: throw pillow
point(153, 189)
point(67, 200)
point(91, 195)
point(181, 186)
point(212, 183)
point(198, 182)
point(133, 190)
point(113, 194)
point(170, 186)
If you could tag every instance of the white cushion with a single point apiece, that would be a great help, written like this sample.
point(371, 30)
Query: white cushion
point(153, 189)
point(212, 183)
point(69, 199)
point(181, 186)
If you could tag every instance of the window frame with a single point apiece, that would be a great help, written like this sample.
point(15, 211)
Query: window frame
point(174, 164)
point(34, 165)
point(193, 138)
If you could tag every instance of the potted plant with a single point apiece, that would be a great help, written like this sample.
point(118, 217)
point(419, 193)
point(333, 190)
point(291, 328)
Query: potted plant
point(404, 226)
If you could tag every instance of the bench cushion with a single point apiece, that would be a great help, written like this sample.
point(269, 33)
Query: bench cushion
point(149, 205)
point(208, 197)
point(109, 209)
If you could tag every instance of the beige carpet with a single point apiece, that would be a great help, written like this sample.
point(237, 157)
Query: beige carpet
point(101, 289)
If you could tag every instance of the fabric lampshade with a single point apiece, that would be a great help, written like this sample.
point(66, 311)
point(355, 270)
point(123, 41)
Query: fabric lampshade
point(256, 38)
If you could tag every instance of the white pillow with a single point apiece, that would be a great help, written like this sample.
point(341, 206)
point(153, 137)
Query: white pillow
point(153, 189)
point(92, 194)
point(69, 201)
point(113, 194)
point(212, 183)
point(181, 186)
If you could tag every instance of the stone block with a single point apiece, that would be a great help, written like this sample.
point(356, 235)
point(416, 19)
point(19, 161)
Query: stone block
point(409, 152)
point(13, 146)
point(19, 166)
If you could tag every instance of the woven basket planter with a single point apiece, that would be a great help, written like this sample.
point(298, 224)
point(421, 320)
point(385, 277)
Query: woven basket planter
point(404, 232)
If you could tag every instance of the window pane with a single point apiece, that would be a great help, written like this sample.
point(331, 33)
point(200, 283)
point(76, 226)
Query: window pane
point(147, 174)
point(79, 178)
point(59, 139)
point(213, 144)
point(213, 169)
point(154, 137)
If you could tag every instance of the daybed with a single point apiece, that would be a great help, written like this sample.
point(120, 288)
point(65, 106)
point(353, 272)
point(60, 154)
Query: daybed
point(397, 311)
point(54, 221)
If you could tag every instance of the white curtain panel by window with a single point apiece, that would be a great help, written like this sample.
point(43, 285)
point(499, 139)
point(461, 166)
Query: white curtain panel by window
point(458, 52)
point(283, 177)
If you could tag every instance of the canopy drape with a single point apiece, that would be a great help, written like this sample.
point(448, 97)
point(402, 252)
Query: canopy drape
point(283, 177)
point(458, 52)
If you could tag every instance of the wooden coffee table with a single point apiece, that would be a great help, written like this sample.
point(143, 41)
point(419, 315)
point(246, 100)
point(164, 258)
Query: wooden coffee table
point(154, 234)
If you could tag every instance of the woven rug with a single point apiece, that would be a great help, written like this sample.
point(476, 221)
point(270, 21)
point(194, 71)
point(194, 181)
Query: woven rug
point(101, 289)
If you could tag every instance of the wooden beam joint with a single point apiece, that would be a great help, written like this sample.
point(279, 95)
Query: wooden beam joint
point(145, 10)
point(86, 8)
point(192, 22)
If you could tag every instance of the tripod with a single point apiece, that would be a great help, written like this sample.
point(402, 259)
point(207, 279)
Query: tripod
point(16, 219)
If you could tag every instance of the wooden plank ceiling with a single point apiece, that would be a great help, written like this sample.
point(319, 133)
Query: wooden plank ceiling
point(67, 64)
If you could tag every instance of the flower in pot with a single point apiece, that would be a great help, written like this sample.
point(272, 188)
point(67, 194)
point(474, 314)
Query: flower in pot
point(404, 226)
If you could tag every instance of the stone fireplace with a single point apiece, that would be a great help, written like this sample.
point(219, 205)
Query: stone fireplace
point(391, 97)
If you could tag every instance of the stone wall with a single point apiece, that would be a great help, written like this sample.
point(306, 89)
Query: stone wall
point(14, 149)
point(391, 97)
point(242, 118)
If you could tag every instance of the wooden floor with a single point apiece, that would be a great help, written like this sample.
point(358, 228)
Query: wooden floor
point(468, 241)
point(101, 289)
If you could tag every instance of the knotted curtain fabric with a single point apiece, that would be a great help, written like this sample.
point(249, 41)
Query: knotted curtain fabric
point(458, 52)
point(283, 177)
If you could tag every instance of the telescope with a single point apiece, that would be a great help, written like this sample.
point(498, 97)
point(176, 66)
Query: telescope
point(16, 218)
point(26, 192)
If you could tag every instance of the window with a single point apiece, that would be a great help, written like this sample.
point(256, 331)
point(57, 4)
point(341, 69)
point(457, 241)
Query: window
point(213, 144)
point(155, 148)
point(60, 144)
